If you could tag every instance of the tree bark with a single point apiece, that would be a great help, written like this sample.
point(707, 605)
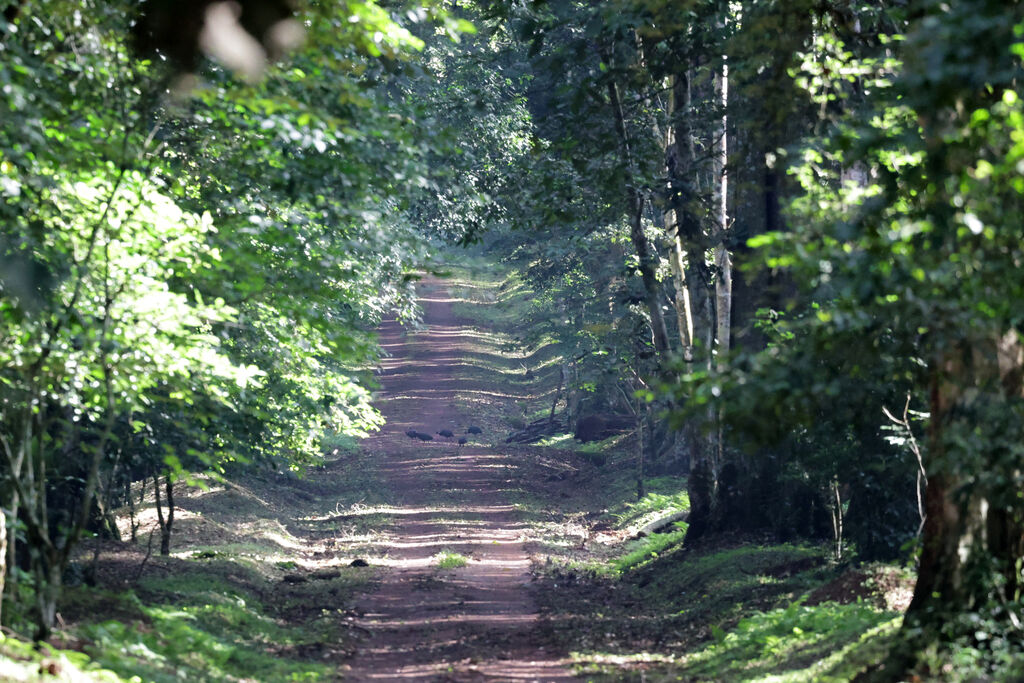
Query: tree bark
point(160, 520)
point(647, 255)
point(971, 549)
point(165, 529)
point(677, 219)
point(3, 558)
point(693, 281)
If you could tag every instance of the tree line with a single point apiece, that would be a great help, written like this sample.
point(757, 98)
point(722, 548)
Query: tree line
point(783, 237)
point(792, 230)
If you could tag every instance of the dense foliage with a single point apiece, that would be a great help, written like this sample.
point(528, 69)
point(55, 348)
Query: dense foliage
point(781, 240)
point(191, 277)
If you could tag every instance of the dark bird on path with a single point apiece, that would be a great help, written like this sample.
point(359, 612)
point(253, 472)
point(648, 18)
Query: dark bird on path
point(463, 440)
point(473, 429)
point(411, 433)
point(424, 437)
point(446, 433)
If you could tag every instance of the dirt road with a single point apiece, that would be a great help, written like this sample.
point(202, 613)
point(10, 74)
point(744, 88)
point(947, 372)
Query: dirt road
point(425, 623)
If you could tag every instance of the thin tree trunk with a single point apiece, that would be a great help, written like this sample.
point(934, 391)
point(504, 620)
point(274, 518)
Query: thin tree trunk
point(3, 558)
point(646, 254)
point(562, 383)
point(161, 522)
point(11, 532)
point(836, 508)
point(49, 577)
point(678, 164)
point(723, 261)
point(691, 279)
point(640, 493)
point(132, 523)
point(165, 531)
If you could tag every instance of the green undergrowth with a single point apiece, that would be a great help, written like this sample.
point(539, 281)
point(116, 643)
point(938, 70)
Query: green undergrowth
point(648, 549)
point(222, 621)
point(647, 609)
point(593, 450)
point(666, 499)
point(216, 621)
point(826, 642)
point(23, 661)
point(729, 614)
point(257, 586)
point(664, 496)
point(722, 585)
point(450, 560)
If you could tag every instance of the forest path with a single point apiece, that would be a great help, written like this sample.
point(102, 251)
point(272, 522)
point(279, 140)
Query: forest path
point(474, 623)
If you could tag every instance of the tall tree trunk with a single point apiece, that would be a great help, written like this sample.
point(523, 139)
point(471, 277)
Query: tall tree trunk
point(693, 278)
point(677, 219)
point(723, 260)
point(971, 549)
point(720, 199)
point(645, 252)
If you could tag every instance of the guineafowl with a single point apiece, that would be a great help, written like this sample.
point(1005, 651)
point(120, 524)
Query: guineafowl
point(446, 433)
point(424, 437)
point(463, 440)
point(411, 433)
point(473, 429)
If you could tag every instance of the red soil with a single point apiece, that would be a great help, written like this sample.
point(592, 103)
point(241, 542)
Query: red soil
point(477, 622)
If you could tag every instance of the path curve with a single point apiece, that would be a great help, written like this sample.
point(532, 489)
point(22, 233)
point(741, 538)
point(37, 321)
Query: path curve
point(475, 623)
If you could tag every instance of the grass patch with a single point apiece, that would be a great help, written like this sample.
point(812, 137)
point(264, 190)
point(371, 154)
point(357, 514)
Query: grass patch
point(226, 639)
point(650, 613)
point(666, 496)
point(449, 560)
point(827, 642)
point(256, 588)
point(335, 445)
point(224, 622)
point(646, 550)
point(22, 661)
point(724, 585)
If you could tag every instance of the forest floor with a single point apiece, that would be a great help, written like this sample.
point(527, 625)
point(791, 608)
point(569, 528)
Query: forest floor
point(406, 560)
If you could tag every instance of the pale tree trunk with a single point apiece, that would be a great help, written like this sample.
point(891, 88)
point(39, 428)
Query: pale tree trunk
point(706, 316)
point(49, 581)
point(678, 162)
point(723, 260)
point(836, 511)
point(692, 278)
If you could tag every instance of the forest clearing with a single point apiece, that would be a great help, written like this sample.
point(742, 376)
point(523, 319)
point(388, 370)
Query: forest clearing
point(511, 340)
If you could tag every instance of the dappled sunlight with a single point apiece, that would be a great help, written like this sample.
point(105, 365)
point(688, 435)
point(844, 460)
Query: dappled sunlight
point(504, 670)
point(478, 619)
point(425, 618)
point(147, 519)
point(434, 394)
point(418, 510)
